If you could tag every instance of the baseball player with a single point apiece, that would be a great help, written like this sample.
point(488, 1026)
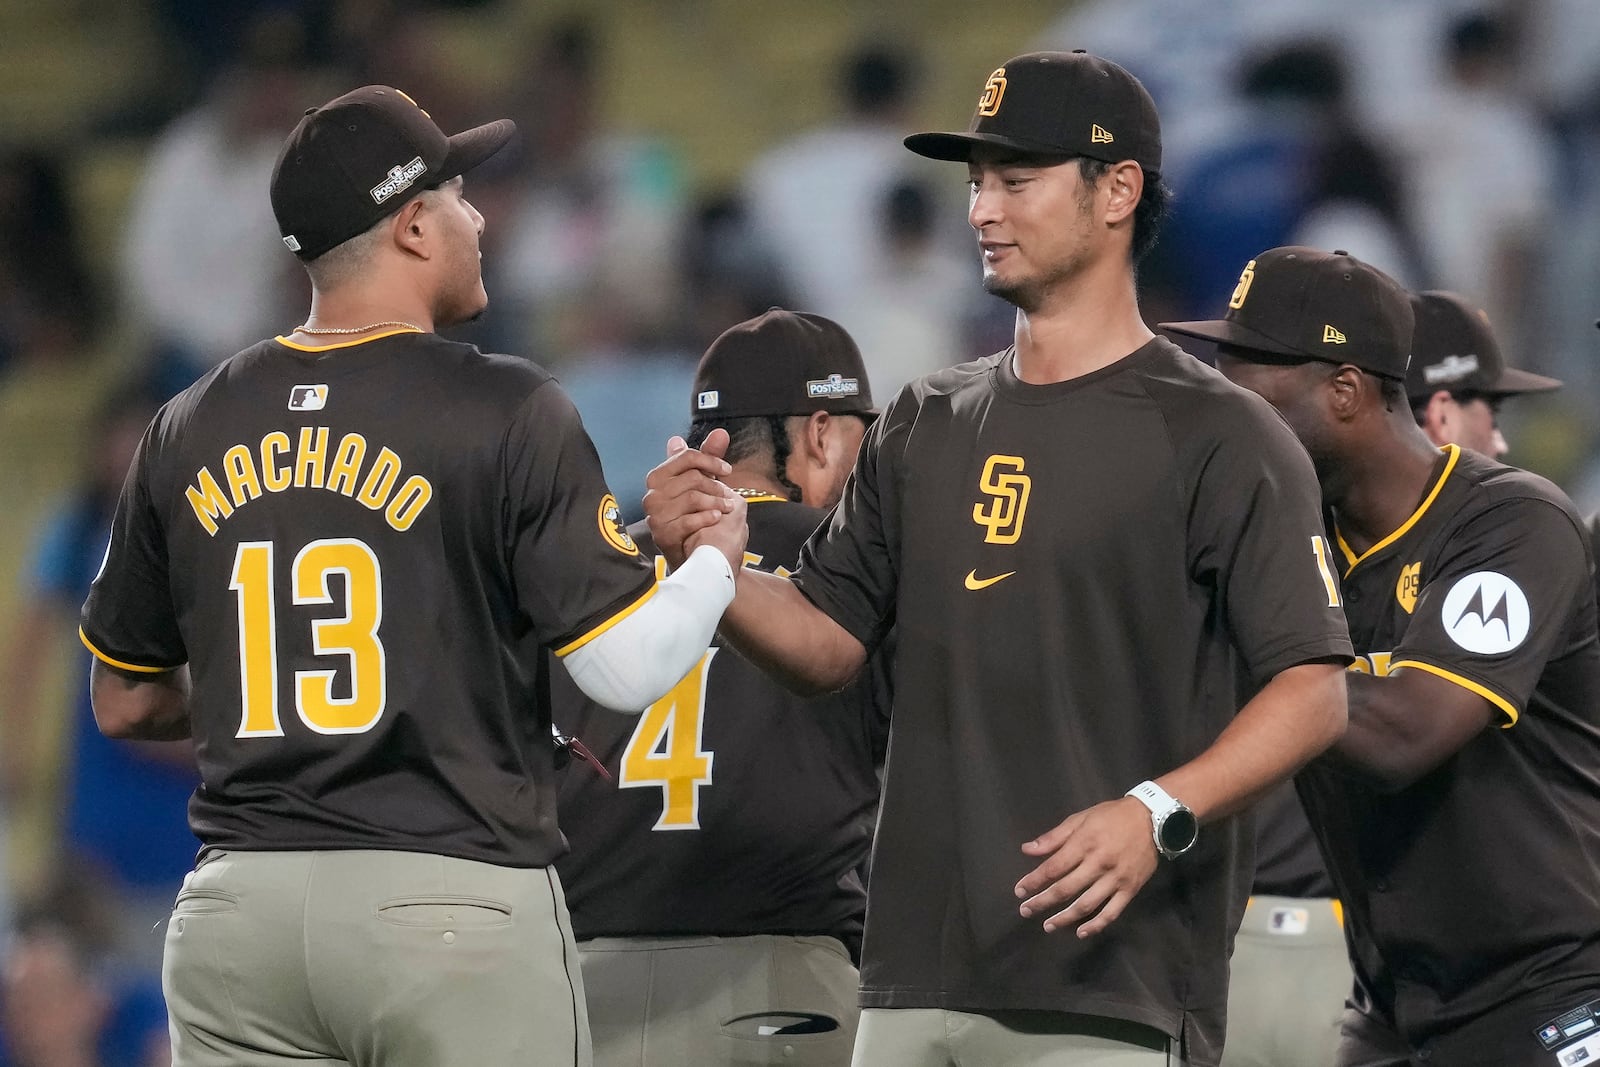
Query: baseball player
point(1460, 813)
point(1080, 542)
point(1291, 972)
point(324, 553)
point(716, 887)
point(1458, 378)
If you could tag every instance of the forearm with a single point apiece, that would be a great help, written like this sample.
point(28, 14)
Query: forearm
point(772, 623)
point(1404, 725)
point(140, 706)
point(1294, 718)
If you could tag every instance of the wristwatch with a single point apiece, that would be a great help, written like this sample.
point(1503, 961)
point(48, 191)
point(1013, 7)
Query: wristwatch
point(1173, 825)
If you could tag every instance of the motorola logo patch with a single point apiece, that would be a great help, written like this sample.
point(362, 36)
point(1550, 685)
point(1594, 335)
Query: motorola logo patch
point(1486, 613)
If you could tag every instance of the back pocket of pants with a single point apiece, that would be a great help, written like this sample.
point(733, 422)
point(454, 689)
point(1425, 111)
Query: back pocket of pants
point(204, 902)
point(445, 911)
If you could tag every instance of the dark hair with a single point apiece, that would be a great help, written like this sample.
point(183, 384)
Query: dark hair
point(1393, 391)
point(756, 437)
point(1147, 215)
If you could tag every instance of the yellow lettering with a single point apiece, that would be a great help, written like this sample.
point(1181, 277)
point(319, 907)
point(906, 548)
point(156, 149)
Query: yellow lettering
point(409, 502)
point(243, 484)
point(273, 445)
point(346, 469)
point(207, 500)
point(311, 461)
point(380, 480)
point(1008, 490)
point(1373, 663)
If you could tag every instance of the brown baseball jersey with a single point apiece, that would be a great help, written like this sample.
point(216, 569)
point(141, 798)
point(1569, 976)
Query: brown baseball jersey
point(1076, 573)
point(1472, 897)
point(738, 807)
point(343, 544)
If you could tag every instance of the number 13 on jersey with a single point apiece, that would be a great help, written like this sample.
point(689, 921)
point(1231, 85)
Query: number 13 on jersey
point(354, 637)
point(665, 750)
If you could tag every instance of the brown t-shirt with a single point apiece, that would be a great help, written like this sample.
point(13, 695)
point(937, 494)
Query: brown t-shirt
point(345, 545)
point(1076, 573)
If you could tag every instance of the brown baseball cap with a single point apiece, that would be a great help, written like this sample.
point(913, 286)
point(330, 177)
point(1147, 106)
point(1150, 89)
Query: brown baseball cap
point(353, 160)
point(1454, 349)
point(781, 363)
point(1299, 303)
point(1058, 104)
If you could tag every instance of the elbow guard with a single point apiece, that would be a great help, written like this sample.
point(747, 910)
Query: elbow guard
point(635, 662)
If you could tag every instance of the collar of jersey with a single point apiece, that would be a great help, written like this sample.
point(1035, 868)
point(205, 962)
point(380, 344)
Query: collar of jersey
point(1452, 453)
point(285, 342)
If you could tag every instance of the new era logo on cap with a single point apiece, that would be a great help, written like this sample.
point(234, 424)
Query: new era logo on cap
point(308, 398)
point(1331, 336)
point(1098, 134)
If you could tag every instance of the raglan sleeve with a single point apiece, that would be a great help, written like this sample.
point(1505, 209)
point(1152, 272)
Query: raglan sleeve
point(1499, 602)
point(1256, 537)
point(576, 569)
point(129, 619)
point(850, 567)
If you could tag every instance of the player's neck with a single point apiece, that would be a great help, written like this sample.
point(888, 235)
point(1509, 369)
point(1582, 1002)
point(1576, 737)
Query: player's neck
point(366, 306)
point(753, 480)
point(1381, 486)
point(1080, 327)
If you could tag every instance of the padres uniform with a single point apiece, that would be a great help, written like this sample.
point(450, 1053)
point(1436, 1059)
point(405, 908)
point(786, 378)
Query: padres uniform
point(719, 878)
point(365, 530)
point(1473, 896)
point(1051, 539)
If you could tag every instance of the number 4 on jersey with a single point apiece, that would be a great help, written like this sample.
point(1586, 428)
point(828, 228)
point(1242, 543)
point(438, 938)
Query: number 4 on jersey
point(665, 751)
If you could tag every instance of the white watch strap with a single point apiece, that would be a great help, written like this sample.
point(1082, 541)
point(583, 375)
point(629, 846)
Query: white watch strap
point(1152, 796)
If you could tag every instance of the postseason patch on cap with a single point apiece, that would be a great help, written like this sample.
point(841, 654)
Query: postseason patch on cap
point(399, 179)
point(1450, 369)
point(833, 385)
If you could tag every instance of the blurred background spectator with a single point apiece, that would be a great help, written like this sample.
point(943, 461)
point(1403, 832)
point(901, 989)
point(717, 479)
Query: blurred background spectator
point(681, 167)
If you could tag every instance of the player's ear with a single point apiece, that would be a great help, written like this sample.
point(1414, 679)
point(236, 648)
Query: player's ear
point(410, 227)
point(1123, 186)
point(1437, 413)
point(1347, 389)
point(813, 443)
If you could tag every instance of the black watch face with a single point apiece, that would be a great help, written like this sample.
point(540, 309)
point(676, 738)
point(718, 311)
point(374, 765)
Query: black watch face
point(1179, 830)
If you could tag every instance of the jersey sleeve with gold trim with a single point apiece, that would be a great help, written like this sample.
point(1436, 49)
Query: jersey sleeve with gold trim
point(577, 570)
point(1499, 603)
point(128, 620)
point(1256, 533)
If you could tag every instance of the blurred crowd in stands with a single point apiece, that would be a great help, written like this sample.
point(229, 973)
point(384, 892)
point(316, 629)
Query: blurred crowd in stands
point(1454, 143)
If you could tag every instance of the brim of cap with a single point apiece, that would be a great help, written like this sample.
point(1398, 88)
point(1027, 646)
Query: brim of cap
point(957, 147)
point(1223, 332)
point(471, 147)
point(1514, 382)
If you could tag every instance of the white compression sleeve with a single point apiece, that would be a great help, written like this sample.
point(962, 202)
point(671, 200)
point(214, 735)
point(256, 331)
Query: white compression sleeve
point(638, 660)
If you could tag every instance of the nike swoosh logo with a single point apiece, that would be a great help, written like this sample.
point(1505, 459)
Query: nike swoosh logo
point(974, 582)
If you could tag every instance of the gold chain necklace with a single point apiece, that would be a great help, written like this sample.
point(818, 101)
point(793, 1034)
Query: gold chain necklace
point(752, 492)
point(331, 331)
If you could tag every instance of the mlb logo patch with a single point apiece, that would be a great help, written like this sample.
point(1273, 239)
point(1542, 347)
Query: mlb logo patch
point(708, 399)
point(1549, 1033)
point(1291, 922)
point(308, 398)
